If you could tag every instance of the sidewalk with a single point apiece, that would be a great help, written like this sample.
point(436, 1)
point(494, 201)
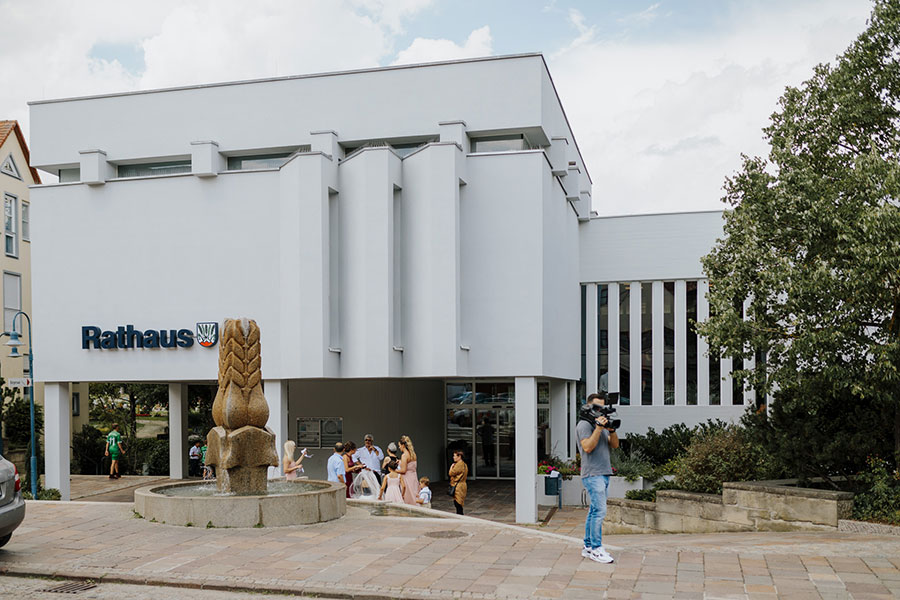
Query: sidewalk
point(422, 558)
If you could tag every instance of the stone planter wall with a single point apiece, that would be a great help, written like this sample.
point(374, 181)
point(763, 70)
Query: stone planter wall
point(745, 506)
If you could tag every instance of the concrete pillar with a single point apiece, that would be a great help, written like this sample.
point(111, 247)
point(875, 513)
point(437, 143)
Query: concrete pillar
point(634, 343)
point(573, 417)
point(206, 161)
point(178, 421)
point(613, 338)
point(702, 345)
point(526, 450)
point(325, 140)
point(680, 344)
point(659, 338)
point(57, 418)
point(276, 391)
point(591, 344)
point(559, 424)
point(455, 131)
point(749, 363)
point(726, 384)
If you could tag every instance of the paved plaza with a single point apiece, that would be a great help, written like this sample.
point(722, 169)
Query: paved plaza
point(365, 556)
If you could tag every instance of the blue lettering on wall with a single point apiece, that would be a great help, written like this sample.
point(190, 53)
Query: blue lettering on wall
point(129, 337)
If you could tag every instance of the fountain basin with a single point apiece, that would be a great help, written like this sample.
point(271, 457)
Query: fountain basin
point(191, 504)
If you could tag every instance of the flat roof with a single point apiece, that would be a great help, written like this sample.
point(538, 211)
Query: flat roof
point(334, 74)
point(292, 77)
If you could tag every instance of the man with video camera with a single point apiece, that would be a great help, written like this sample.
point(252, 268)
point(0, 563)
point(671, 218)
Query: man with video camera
point(596, 432)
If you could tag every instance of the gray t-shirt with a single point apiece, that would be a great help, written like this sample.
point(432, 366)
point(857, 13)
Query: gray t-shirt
point(596, 462)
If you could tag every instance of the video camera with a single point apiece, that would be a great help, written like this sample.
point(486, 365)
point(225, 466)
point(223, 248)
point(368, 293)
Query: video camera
point(591, 412)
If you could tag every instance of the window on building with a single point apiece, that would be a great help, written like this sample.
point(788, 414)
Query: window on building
point(603, 337)
point(8, 167)
point(543, 420)
point(406, 149)
point(69, 175)
point(76, 404)
point(262, 161)
point(26, 222)
point(646, 344)
point(690, 339)
point(669, 342)
point(625, 343)
point(156, 169)
point(403, 149)
point(501, 143)
point(10, 229)
point(12, 298)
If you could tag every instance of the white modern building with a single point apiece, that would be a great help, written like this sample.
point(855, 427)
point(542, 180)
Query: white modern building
point(416, 244)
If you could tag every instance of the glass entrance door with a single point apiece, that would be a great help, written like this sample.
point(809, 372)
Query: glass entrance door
point(481, 421)
point(506, 442)
point(486, 442)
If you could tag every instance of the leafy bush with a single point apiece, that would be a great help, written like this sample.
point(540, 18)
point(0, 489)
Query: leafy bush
point(151, 451)
point(17, 416)
point(879, 499)
point(87, 451)
point(724, 455)
point(44, 494)
point(663, 447)
point(630, 465)
point(650, 495)
point(814, 430)
point(645, 495)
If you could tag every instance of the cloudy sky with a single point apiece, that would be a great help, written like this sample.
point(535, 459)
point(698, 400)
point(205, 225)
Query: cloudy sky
point(663, 96)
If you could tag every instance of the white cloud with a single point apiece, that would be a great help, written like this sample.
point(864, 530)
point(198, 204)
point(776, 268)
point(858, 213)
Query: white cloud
point(661, 124)
point(650, 13)
point(479, 43)
point(46, 48)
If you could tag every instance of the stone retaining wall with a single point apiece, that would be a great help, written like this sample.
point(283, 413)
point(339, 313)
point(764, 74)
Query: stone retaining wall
point(744, 506)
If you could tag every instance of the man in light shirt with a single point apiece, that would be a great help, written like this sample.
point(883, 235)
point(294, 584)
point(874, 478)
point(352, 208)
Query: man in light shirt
point(335, 466)
point(371, 456)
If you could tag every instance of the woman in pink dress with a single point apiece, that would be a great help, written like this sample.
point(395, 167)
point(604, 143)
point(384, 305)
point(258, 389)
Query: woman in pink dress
point(393, 487)
point(408, 470)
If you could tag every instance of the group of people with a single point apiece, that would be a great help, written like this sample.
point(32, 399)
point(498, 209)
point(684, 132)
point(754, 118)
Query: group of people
point(393, 474)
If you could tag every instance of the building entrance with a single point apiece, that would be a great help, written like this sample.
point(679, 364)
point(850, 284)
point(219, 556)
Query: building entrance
point(481, 421)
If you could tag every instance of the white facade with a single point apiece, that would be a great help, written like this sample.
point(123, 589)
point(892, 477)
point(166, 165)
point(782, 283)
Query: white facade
point(650, 333)
point(421, 247)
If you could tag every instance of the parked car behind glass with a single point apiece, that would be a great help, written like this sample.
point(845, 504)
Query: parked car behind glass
point(12, 505)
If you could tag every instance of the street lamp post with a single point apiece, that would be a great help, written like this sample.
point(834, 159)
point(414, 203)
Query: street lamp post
point(14, 344)
point(1, 406)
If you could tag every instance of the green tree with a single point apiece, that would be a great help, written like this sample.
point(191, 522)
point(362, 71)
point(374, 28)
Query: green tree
point(812, 241)
point(145, 395)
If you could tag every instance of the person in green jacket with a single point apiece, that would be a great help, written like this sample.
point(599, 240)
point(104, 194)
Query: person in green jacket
point(113, 450)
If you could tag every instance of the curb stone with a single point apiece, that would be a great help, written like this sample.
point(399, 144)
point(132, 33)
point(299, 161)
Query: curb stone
point(253, 586)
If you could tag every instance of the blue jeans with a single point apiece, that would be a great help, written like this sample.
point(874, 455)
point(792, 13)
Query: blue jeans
point(596, 486)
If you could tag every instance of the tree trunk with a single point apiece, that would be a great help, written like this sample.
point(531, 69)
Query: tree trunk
point(133, 416)
point(897, 434)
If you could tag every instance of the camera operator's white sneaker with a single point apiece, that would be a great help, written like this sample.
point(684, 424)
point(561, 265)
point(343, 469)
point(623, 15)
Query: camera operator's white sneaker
point(597, 555)
point(602, 551)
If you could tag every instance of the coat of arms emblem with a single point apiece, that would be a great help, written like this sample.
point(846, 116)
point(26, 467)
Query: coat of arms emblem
point(207, 334)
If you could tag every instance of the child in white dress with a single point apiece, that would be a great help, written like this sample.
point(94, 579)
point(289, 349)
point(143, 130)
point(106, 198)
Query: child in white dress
point(393, 487)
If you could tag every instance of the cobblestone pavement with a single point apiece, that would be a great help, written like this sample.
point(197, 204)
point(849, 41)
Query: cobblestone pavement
point(35, 589)
point(387, 557)
point(102, 488)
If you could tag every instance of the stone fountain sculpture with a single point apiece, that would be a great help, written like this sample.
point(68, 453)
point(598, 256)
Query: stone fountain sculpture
point(240, 446)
